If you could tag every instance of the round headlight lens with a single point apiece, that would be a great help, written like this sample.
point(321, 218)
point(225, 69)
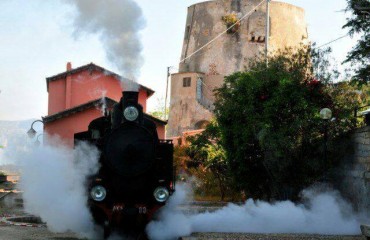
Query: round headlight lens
point(98, 193)
point(161, 194)
point(131, 113)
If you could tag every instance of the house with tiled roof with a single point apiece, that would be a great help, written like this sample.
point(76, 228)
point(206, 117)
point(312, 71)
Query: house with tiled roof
point(77, 96)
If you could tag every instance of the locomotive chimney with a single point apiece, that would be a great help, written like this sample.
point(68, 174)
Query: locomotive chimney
point(130, 97)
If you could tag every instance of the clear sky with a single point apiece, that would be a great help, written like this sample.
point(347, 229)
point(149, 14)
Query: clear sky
point(36, 41)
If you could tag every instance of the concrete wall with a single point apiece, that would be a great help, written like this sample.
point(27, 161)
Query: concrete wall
point(231, 52)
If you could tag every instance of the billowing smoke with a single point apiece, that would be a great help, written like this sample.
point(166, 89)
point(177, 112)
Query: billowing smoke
point(53, 181)
point(118, 22)
point(321, 213)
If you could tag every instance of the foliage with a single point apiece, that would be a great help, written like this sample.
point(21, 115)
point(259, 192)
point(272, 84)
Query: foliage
point(206, 153)
point(270, 125)
point(360, 23)
point(158, 111)
point(229, 20)
point(179, 159)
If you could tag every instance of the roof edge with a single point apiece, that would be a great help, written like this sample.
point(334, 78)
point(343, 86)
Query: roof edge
point(92, 66)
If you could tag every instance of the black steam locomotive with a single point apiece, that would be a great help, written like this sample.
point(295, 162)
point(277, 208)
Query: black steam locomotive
point(136, 174)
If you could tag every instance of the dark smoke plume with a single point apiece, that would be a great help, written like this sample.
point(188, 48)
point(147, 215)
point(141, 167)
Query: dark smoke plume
point(118, 22)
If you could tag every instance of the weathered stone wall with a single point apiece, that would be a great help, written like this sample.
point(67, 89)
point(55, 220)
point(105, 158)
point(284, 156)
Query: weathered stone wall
point(232, 52)
point(356, 181)
point(229, 53)
point(361, 139)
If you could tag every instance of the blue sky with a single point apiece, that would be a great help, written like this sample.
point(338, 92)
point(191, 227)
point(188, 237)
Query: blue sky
point(36, 41)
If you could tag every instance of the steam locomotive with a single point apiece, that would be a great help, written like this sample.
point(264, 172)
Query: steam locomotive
point(136, 174)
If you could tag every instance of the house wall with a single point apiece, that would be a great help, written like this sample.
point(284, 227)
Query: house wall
point(83, 87)
point(57, 96)
point(80, 88)
point(65, 128)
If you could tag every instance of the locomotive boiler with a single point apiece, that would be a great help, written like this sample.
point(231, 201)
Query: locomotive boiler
point(136, 174)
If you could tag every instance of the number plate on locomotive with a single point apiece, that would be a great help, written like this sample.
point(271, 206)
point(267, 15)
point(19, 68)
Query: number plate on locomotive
point(118, 207)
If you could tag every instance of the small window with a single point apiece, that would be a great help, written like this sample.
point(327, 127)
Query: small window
point(186, 82)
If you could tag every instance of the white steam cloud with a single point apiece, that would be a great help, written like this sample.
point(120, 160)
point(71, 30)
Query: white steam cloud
point(53, 181)
point(118, 22)
point(321, 213)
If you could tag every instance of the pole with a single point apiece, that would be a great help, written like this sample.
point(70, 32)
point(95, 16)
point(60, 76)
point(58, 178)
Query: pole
point(325, 142)
point(165, 101)
point(267, 30)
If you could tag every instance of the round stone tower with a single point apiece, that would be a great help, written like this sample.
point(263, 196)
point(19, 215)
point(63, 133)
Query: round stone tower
point(191, 89)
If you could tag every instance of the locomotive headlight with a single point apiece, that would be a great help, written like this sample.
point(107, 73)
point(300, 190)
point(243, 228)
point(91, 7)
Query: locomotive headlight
point(161, 194)
point(98, 193)
point(131, 113)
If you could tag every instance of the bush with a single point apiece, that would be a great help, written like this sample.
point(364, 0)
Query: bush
point(270, 126)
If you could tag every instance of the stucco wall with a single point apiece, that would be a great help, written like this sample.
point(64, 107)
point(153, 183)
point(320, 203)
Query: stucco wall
point(57, 96)
point(66, 127)
point(185, 111)
point(86, 86)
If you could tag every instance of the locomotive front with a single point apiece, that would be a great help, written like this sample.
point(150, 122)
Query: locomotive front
point(136, 174)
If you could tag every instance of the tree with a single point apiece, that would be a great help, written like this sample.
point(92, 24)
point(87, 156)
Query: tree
point(270, 125)
point(206, 152)
point(158, 111)
point(360, 23)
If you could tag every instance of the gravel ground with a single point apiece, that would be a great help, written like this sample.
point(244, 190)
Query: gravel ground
point(31, 233)
point(250, 236)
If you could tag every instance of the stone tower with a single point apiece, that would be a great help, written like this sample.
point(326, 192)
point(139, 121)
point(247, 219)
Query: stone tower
point(192, 98)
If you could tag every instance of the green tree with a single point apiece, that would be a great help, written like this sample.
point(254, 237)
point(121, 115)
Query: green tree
point(158, 111)
point(270, 125)
point(206, 151)
point(359, 23)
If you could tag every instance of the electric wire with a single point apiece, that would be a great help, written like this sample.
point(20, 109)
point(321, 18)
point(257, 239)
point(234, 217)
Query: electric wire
point(222, 33)
point(323, 45)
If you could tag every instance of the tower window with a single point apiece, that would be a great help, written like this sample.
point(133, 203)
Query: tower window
point(186, 82)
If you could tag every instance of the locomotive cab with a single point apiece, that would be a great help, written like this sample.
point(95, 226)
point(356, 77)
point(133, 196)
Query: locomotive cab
point(136, 174)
